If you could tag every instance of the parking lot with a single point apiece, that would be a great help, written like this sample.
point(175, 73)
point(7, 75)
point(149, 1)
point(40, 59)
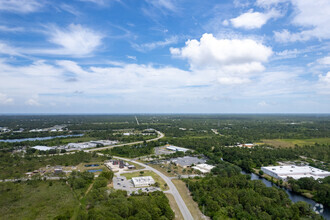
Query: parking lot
point(122, 183)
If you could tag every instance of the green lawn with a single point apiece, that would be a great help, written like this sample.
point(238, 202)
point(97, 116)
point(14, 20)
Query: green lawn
point(38, 200)
point(293, 142)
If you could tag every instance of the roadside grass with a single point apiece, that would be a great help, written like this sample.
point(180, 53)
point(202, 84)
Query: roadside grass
point(147, 173)
point(37, 200)
point(174, 170)
point(185, 194)
point(162, 170)
point(174, 207)
point(292, 142)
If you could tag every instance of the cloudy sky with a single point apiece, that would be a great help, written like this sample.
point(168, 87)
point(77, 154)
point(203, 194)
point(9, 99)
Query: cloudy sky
point(164, 56)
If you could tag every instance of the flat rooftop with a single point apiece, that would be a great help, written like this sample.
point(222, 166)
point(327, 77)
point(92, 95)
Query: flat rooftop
point(297, 172)
point(204, 168)
point(175, 148)
point(143, 180)
point(187, 161)
point(42, 148)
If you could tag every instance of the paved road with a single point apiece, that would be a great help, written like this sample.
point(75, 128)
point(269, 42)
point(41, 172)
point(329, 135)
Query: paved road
point(173, 190)
point(160, 135)
point(137, 122)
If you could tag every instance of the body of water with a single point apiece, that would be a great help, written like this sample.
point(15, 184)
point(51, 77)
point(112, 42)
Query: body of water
point(40, 138)
point(94, 171)
point(292, 195)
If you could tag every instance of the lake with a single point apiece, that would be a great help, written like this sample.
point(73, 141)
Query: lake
point(40, 138)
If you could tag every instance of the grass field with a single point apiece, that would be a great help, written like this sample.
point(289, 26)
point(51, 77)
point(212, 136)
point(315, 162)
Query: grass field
point(147, 173)
point(174, 207)
point(293, 142)
point(35, 201)
point(191, 204)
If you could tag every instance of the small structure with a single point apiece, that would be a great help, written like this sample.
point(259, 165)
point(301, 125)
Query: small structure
point(58, 170)
point(116, 165)
point(295, 172)
point(203, 168)
point(187, 161)
point(42, 148)
point(175, 148)
point(245, 145)
point(131, 167)
point(80, 146)
point(143, 181)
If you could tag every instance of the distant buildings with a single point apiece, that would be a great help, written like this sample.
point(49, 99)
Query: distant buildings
point(174, 148)
point(117, 165)
point(143, 181)
point(80, 146)
point(187, 161)
point(203, 168)
point(296, 172)
point(245, 145)
point(42, 148)
point(4, 130)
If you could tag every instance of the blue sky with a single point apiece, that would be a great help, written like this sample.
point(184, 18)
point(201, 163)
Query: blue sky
point(164, 56)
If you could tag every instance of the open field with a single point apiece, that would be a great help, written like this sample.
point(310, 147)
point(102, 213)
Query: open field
point(174, 170)
point(147, 173)
point(38, 200)
point(293, 142)
point(185, 194)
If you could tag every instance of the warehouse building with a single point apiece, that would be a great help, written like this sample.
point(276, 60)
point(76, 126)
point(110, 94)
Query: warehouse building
point(187, 161)
point(42, 148)
point(296, 172)
point(174, 148)
point(143, 181)
point(203, 168)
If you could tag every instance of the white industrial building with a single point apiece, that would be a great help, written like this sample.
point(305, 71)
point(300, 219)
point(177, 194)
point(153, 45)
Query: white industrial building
point(143, 181)
point(174, 148)
point(42, 148)
point(203, 168)
point(80, 146)
point(296, 172)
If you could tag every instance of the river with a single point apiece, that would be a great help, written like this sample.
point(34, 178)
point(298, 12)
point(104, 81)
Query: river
point(40, 138)
point(292, 195)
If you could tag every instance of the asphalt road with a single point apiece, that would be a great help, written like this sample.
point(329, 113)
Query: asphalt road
point(173, 190)
point(160, 135)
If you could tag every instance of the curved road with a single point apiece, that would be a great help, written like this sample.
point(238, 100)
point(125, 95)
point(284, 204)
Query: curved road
point(173, 190)
point(160, 135)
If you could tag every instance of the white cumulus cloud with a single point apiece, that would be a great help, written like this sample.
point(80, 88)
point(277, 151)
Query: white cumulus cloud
point(252, 20)
point(230, 59)
point(324, 60)
point(313, 18)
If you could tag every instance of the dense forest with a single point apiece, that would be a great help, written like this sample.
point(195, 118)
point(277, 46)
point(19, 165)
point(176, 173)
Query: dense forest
point(237, 197)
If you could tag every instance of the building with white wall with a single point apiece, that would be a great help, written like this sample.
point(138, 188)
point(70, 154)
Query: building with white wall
point(143, 181)
point(174, 148)
point(42, 148)
point(296, 172)
point(203, 168)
